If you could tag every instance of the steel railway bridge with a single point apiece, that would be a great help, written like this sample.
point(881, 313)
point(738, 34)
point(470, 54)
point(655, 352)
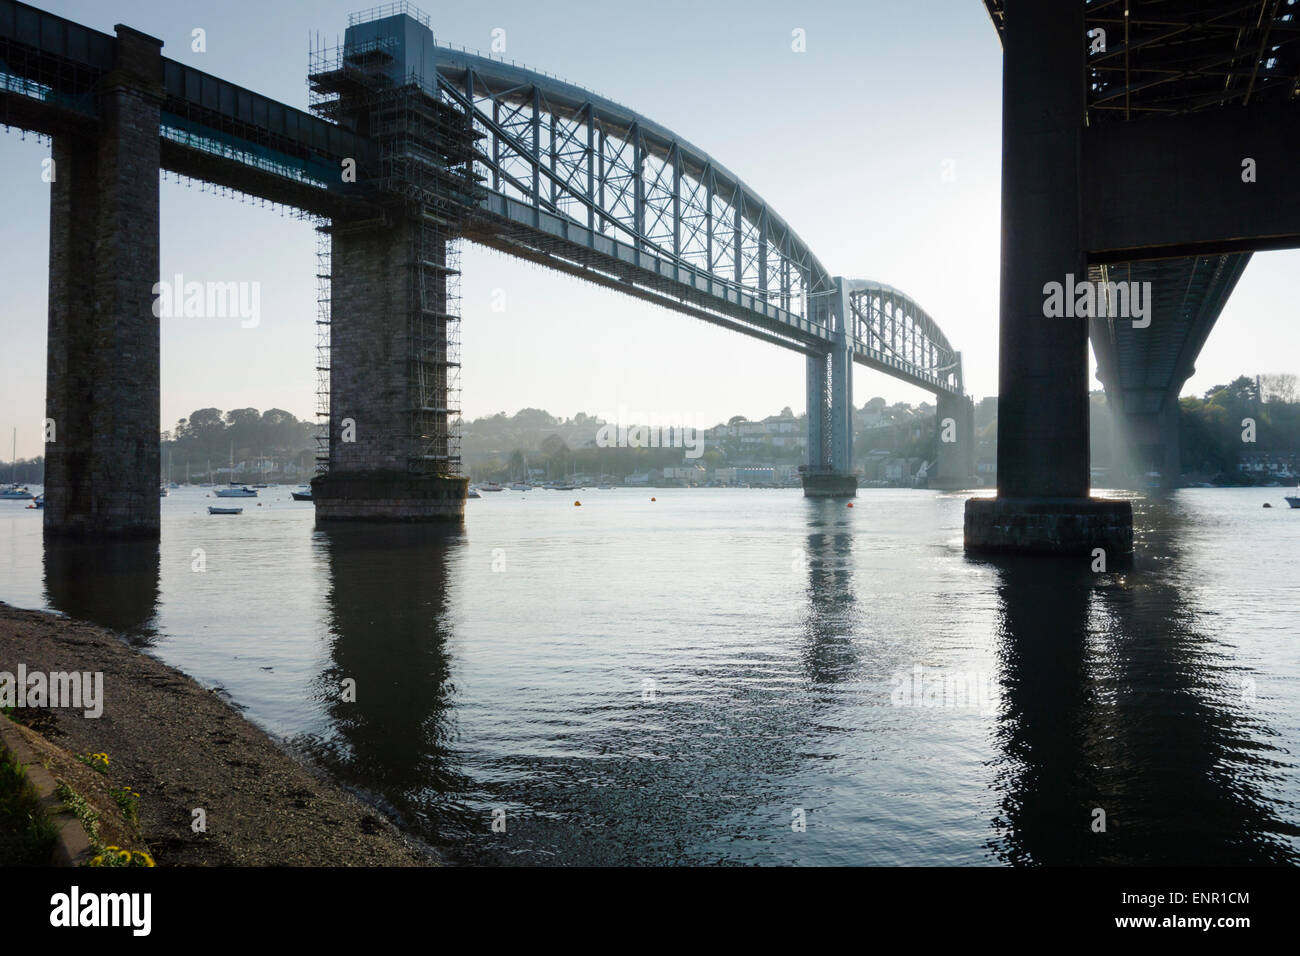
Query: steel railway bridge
point(443, 145)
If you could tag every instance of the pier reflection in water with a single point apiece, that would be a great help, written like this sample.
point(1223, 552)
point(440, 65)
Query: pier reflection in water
point(110, 583)
point(831, 622)
point(386, 688)
point(684, 680)
point(1121, 707)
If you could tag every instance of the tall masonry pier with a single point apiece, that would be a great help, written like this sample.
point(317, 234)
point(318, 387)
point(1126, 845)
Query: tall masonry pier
point(1043, 502)
point(102, 376)
point(392, 452)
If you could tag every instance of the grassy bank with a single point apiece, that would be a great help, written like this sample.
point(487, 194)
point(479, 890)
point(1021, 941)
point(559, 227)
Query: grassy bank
point(26, 832)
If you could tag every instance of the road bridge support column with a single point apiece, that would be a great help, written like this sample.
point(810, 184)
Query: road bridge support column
point(388, 348)
point(102, 467)
point(1150, 442)
point(955, 456)
point(1043, 456)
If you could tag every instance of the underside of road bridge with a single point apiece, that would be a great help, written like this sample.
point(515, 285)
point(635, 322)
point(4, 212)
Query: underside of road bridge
point(1148, 147)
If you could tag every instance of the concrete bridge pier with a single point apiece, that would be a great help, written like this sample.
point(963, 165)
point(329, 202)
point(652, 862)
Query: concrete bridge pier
point(829, 471)
point(1149, 442)
point(102, 467)
point(955, 459)
point(1043, 502)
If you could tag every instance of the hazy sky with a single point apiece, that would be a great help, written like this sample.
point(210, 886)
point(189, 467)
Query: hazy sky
point(847, 141)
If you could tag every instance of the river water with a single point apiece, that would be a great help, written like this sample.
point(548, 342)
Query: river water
point(741, 676)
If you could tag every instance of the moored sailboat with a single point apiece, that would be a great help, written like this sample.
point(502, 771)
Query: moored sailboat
point(234, 490)
point(14, 491)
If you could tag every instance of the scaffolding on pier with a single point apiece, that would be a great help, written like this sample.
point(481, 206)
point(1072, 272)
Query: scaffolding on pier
point(323, 284)
point(423, 178)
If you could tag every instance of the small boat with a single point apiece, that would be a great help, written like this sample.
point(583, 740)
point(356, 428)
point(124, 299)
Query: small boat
point(1294, 500)
point(37, 502)
point(224, 511)
point(236, 491)
point(301, 495)
point(520, 486)
point(162, 491)
point(472, 492)
point(490, 486)
point(261, 484)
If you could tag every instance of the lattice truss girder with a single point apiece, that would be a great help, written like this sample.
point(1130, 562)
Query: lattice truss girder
point(633, 184)
point(1178, 56)
point(894, 330)
point(1162, 57)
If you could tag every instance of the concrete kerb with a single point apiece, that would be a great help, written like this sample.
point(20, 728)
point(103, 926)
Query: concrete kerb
point(71, 843)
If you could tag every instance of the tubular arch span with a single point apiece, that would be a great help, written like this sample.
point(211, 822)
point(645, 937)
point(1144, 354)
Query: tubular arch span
point(589, 187)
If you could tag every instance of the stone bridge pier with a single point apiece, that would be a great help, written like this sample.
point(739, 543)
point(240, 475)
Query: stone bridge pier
point(389, 407)
point(102, 467)
point(393, 351)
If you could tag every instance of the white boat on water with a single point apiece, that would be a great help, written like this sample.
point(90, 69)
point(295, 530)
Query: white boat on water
point(490, 486)
point(1294, 500)
point(224, 511)
point(520, 486)
point(236, 491)
point(472, 492)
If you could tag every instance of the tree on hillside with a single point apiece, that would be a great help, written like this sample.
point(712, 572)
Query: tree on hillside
point(1280, 387)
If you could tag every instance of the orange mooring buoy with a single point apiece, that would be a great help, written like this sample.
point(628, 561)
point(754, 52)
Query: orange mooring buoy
point(850, 504)
point(653, 499)
point(577, 504)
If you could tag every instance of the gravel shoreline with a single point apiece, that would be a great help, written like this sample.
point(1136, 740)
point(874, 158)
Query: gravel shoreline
point(182, 747)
